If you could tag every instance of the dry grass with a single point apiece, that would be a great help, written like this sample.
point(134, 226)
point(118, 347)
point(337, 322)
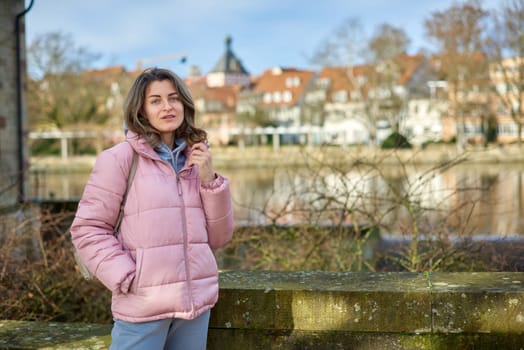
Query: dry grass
point(38, 279)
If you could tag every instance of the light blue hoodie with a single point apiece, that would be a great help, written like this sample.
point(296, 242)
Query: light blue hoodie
point(175, 157)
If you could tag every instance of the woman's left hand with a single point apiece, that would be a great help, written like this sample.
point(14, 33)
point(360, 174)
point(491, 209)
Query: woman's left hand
point(201, 156)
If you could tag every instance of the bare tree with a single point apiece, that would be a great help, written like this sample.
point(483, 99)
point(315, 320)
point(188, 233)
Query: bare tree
point(459, 34)
point(60, 94)
point(345, 46)
point(66, 93)
point(506, 52)
point(387, 95)
point(388, 42)
point(373, 68)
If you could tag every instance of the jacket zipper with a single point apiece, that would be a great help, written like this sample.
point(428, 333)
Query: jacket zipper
point(184, 227)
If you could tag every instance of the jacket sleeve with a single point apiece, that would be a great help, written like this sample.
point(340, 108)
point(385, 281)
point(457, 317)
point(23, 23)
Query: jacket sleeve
point(92, 228)
point(216, 201)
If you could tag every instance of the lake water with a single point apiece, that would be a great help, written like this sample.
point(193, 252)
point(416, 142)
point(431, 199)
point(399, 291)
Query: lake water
point(481, 200)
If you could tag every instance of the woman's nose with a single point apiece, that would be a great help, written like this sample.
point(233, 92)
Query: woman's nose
point(167, 104)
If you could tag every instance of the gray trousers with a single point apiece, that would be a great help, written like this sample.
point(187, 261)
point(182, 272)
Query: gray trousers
point(168, 334)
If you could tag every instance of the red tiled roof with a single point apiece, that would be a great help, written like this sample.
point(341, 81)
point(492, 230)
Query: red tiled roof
point(226, 95)
point(196, 84)
point(340, 77)
point(112, 72)
point(409, 64)
point(276, 80)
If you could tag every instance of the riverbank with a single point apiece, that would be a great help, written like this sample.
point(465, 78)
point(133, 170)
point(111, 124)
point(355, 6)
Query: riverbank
point(265, 156)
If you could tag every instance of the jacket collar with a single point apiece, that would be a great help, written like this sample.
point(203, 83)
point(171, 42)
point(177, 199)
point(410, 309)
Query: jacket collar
point(140, 145)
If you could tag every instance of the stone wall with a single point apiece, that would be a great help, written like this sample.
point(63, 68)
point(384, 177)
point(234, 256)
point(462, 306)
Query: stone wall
point(338, 310)
point(9, 150)
point(335, 310)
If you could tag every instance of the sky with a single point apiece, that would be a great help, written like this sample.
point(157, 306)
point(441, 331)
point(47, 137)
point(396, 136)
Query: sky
point(265, 33)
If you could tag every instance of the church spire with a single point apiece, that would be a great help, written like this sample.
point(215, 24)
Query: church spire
point(228, 70)
point(229, 63)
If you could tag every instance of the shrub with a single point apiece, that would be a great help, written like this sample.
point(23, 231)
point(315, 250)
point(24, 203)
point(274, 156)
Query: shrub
point(395, 140)
point(38, 276)
point(45, 147)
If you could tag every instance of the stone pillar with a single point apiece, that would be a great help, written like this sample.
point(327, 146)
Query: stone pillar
point(63, 147)
point(276, 141)
point(10, 153)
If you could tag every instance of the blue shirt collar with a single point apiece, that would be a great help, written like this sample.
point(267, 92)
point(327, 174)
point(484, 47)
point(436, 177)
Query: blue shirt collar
point(176, 157)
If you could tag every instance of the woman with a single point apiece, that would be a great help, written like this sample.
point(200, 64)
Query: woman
point(160, 268)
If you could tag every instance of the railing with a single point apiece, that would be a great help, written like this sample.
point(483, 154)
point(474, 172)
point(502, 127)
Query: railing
point(64, 136)
point(300, 134)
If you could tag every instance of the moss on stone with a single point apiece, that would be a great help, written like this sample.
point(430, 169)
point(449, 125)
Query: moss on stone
point(53, 335)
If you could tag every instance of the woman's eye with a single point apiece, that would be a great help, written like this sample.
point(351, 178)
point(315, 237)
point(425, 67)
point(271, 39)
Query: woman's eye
point(155, 102)
point(173, 99)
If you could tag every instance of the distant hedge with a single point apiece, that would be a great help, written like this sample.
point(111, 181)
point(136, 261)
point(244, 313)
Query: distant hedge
point(396, 140)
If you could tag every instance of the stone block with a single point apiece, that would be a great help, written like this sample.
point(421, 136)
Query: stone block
point(53, 335)
point(319, 301)
point(479, 302)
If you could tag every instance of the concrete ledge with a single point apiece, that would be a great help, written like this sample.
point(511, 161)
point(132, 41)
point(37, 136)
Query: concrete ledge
point(300, 340)
point(53, 335)
point(370, 302)
point(339, 310)
point(334, 310)
point(319, 301)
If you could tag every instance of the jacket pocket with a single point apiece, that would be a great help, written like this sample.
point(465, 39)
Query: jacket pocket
point(138, 273)
point(160, 265)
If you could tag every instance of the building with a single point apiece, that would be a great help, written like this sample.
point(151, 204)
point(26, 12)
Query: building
point(215, 95)
point(335, 102)
point(229, 70)
point(366, 103)
point(274, 105)
point(508, 102)
point(427, 105)
point(13, 119)
point(215, 108)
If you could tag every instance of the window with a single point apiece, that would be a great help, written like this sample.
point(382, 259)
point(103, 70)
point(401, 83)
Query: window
point(340, 96)
point(277, 97)
point(507, 129)
point(200, 104)
point(356, 95)
point(323, 83)
point(501, 88)
point(501, 109)
point(287, 96)
point(115, 88)
point(292, 82)
point(267, 97)
point(361, 80)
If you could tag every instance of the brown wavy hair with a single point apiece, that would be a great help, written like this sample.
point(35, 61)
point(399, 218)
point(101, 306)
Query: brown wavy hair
point(136, 120)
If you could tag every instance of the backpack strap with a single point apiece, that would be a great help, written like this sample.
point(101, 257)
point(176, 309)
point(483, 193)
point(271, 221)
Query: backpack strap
point(130, 177)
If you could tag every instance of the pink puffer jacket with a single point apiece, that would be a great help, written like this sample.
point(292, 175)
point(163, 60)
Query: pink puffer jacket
point(162, 264)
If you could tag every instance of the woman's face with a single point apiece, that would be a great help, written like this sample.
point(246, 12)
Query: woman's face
point(163, 109)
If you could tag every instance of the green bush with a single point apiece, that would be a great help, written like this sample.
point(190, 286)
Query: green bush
point(395, 141)
point(45, 147)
